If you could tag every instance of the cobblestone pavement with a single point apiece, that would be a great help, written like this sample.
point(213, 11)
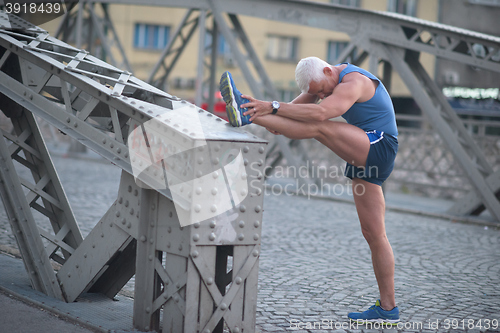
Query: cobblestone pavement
point(315, 265)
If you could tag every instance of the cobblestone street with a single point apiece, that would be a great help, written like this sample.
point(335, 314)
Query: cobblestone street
point(315, 265)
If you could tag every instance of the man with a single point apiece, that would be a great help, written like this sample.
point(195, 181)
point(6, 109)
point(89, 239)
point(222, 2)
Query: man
point(367, 142)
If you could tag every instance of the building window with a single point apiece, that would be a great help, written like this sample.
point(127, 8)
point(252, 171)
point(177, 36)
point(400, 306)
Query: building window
point(350, 3)
point(406, 7)
point(282, 48)
point(335, 48)
point(150, 36)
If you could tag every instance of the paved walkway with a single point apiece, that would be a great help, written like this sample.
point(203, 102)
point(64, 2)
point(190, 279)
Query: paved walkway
point(315, 265)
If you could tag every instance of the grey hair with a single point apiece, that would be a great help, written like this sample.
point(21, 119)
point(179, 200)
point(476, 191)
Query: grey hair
point(309, 69)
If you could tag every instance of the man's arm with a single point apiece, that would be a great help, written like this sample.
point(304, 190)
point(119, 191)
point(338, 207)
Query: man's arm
point(353, 88)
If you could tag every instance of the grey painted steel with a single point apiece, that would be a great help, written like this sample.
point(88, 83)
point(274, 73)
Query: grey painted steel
point(102, 107)
point(183, 33)
point(106, 241)
point(23, 225)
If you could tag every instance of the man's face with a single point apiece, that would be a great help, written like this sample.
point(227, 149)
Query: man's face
point(323, 88)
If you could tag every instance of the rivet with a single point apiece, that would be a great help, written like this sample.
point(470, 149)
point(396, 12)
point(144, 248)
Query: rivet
point(262, 150)
point(129, 187)
point(256, 224)
point(194, 254)
point(129, 225)
point(176, 299)
point(241, 237)
point(180, 247)
point(150, 258)
point(243, 192)
point(260, 162)
point(256, 237)
point(245, 162)
point(198, 190)
point(211, 236)
point(215, 160)
point(197, 208)
point(169, 229)
point(241, 224)
point(246, 149)
point(148, 310)
point(200, 160)
point(118, 214)
point(238, 280)
point(214, 191)
point(131, 211)
point(120, 200)
point(215, 175)
point(243, 176)
point(236, 329)
point(126, 203)
point(196, 237)
point(217, 148)
point(143, 238)
point(196, 225)
point(255, 253)
point(243, 208)
point(213, 224)
point(213, 208)
point(210, 281)
point(258, 191)
point(258, 209)
point(223, 306)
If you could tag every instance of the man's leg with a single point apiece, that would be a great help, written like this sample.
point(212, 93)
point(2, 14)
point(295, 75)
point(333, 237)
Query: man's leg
point(370, 205)
point(347, 141)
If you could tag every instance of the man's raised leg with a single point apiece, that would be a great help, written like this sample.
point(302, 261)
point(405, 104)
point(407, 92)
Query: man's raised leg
point(347, 141)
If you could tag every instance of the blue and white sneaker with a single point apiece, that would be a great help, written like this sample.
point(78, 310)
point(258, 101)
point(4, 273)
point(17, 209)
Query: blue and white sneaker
point(375, 314)
point(233, 99)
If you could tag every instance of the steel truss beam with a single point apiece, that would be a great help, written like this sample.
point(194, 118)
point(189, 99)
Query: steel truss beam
point(102, 39)
point(176, 236)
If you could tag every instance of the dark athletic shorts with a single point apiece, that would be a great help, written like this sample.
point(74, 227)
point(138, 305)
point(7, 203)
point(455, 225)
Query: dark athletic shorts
point(380, 161)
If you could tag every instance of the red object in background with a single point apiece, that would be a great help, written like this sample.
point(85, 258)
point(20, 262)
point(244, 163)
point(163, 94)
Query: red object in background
point(219, 106)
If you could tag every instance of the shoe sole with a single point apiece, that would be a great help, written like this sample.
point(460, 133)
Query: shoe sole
point(232, 108)
point(380, 321)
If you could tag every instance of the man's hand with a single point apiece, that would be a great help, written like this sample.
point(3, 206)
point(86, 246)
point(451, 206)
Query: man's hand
point(256, 108)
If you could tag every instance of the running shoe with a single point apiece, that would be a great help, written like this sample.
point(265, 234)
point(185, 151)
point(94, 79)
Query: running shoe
point(375, 314)
point(233, 99)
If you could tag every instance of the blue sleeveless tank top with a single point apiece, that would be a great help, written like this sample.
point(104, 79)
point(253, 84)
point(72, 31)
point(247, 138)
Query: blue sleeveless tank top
point(375, 114)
